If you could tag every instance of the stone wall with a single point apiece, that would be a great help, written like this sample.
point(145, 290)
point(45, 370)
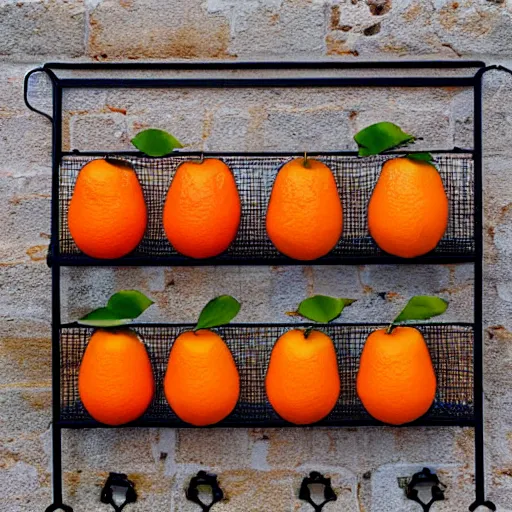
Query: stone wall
point(260, 469)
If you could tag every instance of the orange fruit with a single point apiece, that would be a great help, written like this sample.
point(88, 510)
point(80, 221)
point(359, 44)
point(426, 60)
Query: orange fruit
point(304, 216)
point(202, 209)
point(107, 214)
point(396, 380)
point(201, 383)
point(408, 210)
point(115, 379)
point(302, 382)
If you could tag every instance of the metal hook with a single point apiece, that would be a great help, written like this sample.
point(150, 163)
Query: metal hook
point(59, 508)
point(425, 477)
point(489, 504)
point(207, 480)
point(305, 491)
point(118, 480)
point(25, 92)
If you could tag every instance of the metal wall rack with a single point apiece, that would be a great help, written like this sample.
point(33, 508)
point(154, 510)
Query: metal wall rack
point(457, 349)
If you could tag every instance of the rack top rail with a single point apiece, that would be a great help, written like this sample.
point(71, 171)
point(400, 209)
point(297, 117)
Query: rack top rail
point(466, 80)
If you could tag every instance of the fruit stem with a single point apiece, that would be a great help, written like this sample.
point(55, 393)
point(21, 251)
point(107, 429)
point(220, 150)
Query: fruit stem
point(118, 162)
point(199, 160)
point(307, 332)
point(390, 328)
point(306, 162)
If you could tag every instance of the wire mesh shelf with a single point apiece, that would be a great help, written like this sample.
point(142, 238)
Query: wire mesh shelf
point(255, 176)
point(451, 348)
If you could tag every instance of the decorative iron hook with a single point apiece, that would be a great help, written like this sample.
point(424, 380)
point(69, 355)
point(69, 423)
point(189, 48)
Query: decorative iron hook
point(119, 480)
point(489, 504)
point(425, 477)
point(305, 491)
point(25, 91)
point(59, 508)
point(207, 480)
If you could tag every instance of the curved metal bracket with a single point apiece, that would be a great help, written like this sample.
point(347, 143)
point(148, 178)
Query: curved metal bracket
point(421, 478)
point(489, 504)
point(493, 67)
point(305, 491)
point(204, 479)
point(118, 481)
point(59, 508)
point(25, 91)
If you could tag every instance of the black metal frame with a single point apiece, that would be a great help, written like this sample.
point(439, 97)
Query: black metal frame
point(471, 80)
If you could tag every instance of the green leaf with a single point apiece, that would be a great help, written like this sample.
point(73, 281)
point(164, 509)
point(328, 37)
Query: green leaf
point(218, 311)
point(321, 308)
point(129, 303)
point(103, 317)
point(422, 157)
point(422, 307)
point(380, 137)
point(121, 309)
point(155, 142)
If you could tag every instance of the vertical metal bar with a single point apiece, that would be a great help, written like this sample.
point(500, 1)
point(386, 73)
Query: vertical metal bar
point(478, 294)
point(56, 319)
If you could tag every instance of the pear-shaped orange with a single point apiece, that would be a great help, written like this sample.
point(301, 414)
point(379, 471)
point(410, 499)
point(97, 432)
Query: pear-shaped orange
point(408, 210)
point(202, 209)
point(302, 382)
point(115, 379)
point(107, 214)
point(396, 380)
point(304, 216)
point(201, 383)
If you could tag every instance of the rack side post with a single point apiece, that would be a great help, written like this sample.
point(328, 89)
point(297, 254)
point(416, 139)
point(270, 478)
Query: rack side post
point(478, 305)
point(478, 295)
point(56, 317)
point(56, 432)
